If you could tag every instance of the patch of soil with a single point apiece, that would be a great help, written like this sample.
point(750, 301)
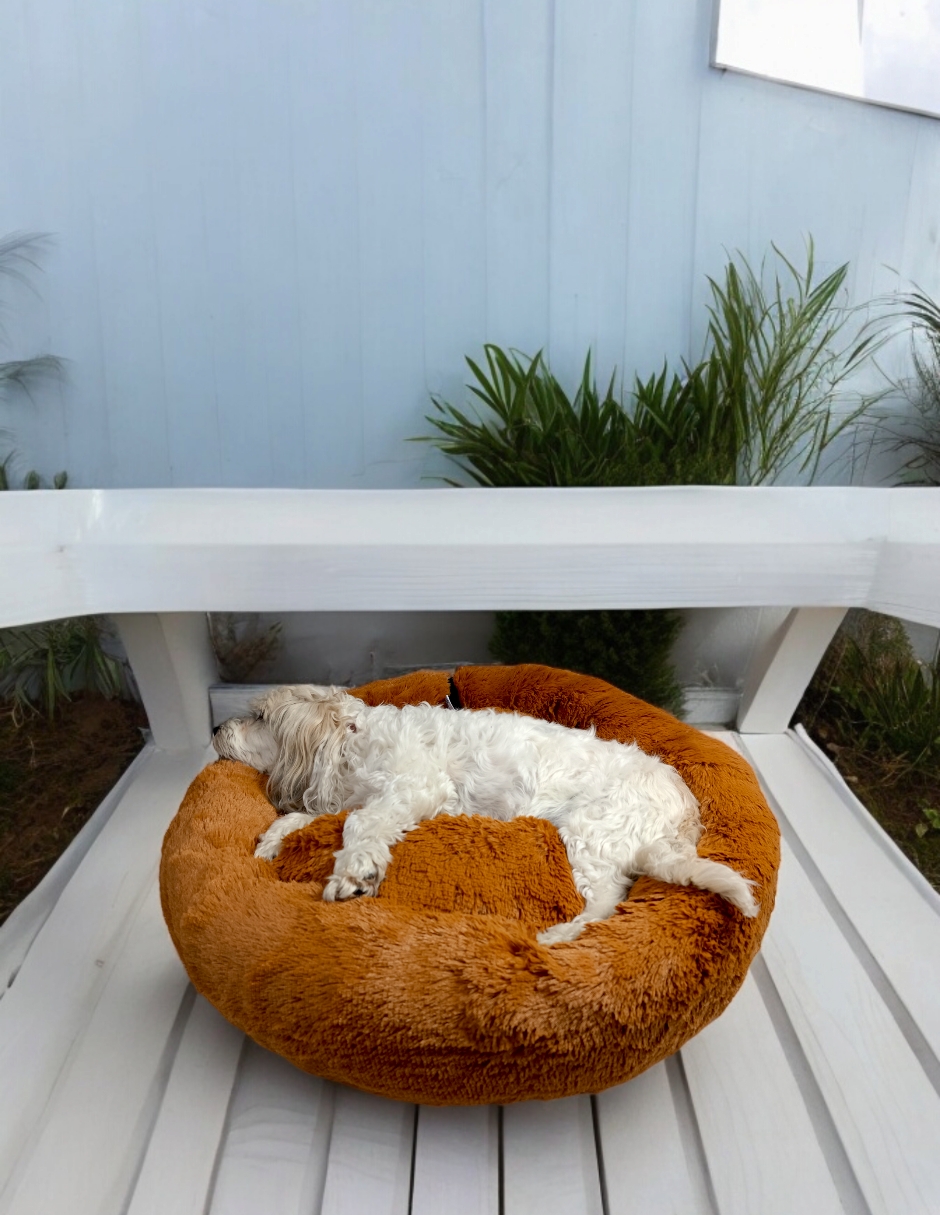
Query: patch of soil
point(895, 797)
point(52, 778)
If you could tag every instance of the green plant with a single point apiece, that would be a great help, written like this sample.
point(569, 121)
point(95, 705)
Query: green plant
point(882, 700)
point(537, 435)
point(875, 709)
point(629, 649)
point(768, 397)
point(242, 646)
point(18, 257)
point(765, 399)
point(924, 466)
point(931, 821)
point(782, 349)
point(43, 665)
point(32, 480)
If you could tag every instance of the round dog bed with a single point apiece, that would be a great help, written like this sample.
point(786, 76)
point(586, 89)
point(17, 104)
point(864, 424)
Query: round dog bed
point(437, 991)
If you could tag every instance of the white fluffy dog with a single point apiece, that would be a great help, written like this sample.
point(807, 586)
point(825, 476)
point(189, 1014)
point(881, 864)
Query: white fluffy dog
point(619, 812)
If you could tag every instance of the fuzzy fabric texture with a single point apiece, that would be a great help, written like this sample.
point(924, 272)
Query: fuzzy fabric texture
point(437, 991)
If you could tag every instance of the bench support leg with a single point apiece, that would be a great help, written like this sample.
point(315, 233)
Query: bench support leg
point(174, 666)
point(780, 672)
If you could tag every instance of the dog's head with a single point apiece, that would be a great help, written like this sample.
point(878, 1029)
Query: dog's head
point(296, 735)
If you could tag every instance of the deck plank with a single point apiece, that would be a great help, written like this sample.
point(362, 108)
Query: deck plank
point(550, 1164)
point(884, 1107)
point(180, 1158)
point(371, 1148)
point(748, 1105)
point(645, 1163)
point(100, 1109)
point(107, 912)
point(273, 1154)
point(842, 852)
point(456, 1161)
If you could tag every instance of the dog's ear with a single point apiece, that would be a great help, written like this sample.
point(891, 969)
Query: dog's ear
point(310, 735)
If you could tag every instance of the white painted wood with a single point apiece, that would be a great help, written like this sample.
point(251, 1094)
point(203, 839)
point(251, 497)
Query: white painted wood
point(909, 560)
point(323, 101)
point(101, 1105)
point(74, 959)
point(233, 699)
point(192, 551)
point(884, 1108)
point(296, 201)
point(518, 53)
point(588, 296)
point(665, 188)
point(171, 656)
point(129, 340)
point(780, 672)
point(645, 1164)
point(387, 45)
point(705, 705)
point(21, 927)
point(752, 1117)
point(876, 903)
point(453, 213)
point(550, 1159)
point(371, 1148)
point(456, 1161)
point(273, 1154)
point(181, 1152)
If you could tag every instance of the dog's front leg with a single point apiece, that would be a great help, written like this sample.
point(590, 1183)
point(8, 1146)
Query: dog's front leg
point(269, 845)
point(370, 833)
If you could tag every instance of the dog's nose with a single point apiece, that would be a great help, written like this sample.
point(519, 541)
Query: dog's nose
point(215, 730)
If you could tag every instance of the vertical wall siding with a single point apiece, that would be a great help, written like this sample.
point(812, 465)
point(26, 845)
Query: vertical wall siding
point(280, 224)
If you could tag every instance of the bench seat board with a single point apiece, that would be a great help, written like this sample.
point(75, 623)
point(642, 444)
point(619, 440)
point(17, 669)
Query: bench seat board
point(816, 1090)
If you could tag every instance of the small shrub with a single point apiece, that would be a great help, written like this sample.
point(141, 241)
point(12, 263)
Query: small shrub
point(781, 350)
point(924, 466)
point(882, 700)
point(766, 399)
point(630, 649)
point(876, 709)
point(32, 480)
point(43, 665)
point(931, 821)
point(19, 255)
point(241, 647)
point(872, 695)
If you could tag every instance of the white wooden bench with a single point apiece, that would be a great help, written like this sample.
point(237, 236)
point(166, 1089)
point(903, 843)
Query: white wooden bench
point(817, 1091)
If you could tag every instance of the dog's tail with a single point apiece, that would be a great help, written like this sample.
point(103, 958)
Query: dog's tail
point(678, 862)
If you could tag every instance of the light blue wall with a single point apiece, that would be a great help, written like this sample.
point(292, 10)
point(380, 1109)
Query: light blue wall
point(281, 223)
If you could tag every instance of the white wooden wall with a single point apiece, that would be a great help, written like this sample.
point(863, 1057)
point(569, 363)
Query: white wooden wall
point(280, 223)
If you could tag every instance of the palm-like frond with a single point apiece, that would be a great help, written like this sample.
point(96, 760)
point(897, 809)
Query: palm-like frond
point(770, 394)
point(925, 434)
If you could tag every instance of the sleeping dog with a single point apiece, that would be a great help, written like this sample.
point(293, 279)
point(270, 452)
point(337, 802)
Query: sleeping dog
point(619, 811)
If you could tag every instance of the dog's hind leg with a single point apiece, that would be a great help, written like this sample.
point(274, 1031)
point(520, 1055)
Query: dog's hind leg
point(677, 861)
point(600, 905)
point(600, 882)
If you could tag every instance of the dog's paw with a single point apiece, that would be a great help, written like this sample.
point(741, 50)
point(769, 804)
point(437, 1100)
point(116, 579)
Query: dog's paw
point(269, 845)
point(357, 872)
point(559, 934)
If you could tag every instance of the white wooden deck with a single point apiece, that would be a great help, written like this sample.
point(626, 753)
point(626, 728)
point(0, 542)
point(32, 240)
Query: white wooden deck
point(817, 1091)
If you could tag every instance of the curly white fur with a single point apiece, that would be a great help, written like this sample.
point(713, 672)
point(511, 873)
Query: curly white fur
point(619, 811)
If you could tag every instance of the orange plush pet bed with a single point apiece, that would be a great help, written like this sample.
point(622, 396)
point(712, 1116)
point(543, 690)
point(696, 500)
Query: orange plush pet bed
point(437, 991)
